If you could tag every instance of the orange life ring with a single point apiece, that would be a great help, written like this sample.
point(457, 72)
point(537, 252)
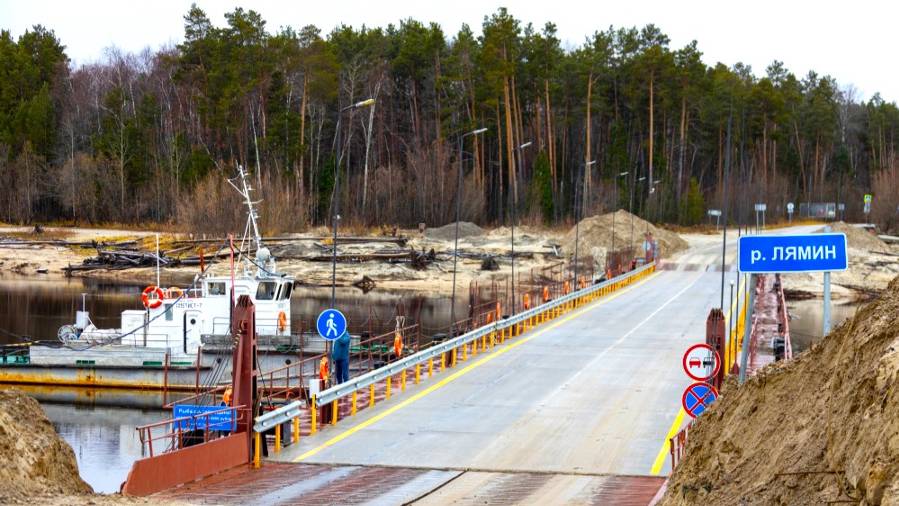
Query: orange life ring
point(154, 302)
point(545, 294)
point(398, 345)
point(582, 283)
point(489, 317)
point(282, 321)
point(526, 301)
point(174, 292)
point(566, 288)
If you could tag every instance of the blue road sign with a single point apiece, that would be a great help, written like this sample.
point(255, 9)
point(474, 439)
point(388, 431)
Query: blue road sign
point(223, 421)
point(698, 397)
point(793, 253)
point(331, 324)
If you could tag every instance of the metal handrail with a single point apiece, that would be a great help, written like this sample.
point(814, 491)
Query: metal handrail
point(289, 411)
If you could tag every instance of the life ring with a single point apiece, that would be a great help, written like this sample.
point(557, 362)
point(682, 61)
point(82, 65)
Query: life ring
point(174, 292)
point(582, 283)
point(545, 294)
point(526, 301)
point(154, 302)
point(282, 321)
point(566, 288)
point(489, 317)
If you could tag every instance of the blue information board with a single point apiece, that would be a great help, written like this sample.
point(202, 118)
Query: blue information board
point(761, 254)
point(223, 421)
point(331, 324)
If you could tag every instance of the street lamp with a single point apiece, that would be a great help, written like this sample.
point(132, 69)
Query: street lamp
point(514, 210)
point(577, 221)
point(335, 201)
point(458, 214)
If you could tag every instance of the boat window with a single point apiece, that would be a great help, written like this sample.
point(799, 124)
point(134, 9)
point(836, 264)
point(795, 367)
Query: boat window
point(266, 290)
point(168, 313)
point(285, 291)
point(216, 288)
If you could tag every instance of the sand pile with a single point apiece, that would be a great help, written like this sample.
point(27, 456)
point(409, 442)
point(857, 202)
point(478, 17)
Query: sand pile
point(859, 238)
point(448, 232)
point(821, 428)
point(596, 235)
point(36, 461)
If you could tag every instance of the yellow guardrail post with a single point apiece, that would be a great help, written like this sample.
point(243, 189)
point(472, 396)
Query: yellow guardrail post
point(430, 367)
point(353, 407)
point(465, 352)
point(278, 438)
point(257, 450)
point(453, 357)
point(417, 373)
point(334, 412)
point(442, 362)
point(403, 381)
point(296, 430)
point(371, 395)
point(387, 395)
point(314, 415)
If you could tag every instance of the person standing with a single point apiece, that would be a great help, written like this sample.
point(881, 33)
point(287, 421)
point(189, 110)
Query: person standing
point(340, 354)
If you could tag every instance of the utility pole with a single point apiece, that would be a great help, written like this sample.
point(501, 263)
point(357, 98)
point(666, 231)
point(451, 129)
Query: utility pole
point(577, 221)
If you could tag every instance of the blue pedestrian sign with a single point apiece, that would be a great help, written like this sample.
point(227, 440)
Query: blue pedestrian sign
point(698, 397)
point(760, 254)
point(331, 324)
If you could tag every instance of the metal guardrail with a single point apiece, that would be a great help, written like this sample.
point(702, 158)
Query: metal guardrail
point(286, 413)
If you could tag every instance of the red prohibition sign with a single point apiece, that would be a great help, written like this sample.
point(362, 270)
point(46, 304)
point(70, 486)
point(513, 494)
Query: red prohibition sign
point(697, 398)
point(688, 366)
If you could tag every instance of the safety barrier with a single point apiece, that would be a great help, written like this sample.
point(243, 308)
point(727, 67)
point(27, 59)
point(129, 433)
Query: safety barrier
point(477, 341)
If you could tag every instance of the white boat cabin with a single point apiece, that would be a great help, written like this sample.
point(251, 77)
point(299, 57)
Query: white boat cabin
point(179, 323)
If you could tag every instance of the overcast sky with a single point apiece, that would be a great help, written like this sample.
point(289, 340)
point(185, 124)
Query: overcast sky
point(852, 41)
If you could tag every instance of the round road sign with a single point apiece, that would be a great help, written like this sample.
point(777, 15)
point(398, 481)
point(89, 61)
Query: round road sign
point(701, 362)
point(331, 324)
point(697, 397)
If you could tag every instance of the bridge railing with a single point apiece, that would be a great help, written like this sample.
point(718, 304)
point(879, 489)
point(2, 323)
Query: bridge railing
point(479, 337)
point(503, 329)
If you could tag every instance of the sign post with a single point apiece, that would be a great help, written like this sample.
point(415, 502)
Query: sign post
point(760, 207)
point(790, 208)
point(868, 199)
point(717, 214)
point(763, 254)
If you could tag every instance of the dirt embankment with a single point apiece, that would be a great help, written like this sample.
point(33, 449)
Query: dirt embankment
point(36, 461)
point(872, 265)
point(596, 236)
point(822, 428)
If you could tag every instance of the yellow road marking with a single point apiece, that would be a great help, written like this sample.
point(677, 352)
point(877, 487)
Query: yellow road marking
point(660, 458)
point(665, 450)
point(445, 381)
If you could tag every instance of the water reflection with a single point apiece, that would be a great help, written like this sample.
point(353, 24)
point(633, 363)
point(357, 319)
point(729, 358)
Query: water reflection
point(36, 308)
point(103, 438)
point(807, 320)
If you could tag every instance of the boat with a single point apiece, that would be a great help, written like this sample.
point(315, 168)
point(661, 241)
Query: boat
point(180, 339)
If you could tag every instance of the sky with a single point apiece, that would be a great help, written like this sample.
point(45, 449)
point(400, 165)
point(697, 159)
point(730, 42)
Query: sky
point(851, 41)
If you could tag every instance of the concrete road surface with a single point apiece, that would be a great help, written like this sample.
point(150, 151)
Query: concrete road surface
point(597, 391)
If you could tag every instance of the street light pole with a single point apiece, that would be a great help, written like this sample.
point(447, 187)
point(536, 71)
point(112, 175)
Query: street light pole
point(577, 221)
point(633, 187)
point(514, 218)
point(458, 217)
point(335, 200)
point(615, 209)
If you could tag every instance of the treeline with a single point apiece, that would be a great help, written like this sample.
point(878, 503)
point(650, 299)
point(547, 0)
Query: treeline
point(153, 136)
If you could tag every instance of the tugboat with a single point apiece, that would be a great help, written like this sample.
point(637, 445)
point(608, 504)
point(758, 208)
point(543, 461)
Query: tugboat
point(180, 339)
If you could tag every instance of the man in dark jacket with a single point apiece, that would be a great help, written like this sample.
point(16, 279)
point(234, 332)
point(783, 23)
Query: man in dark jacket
point(340, 354)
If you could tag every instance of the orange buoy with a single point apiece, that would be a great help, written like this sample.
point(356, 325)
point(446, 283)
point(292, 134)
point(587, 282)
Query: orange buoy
point(545, 294)
point(323, 369)
point(526, 301)
point(156, 300)
point(282, 321)
point(398, 344)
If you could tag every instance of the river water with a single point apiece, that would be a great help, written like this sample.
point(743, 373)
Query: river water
point(100, 425)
